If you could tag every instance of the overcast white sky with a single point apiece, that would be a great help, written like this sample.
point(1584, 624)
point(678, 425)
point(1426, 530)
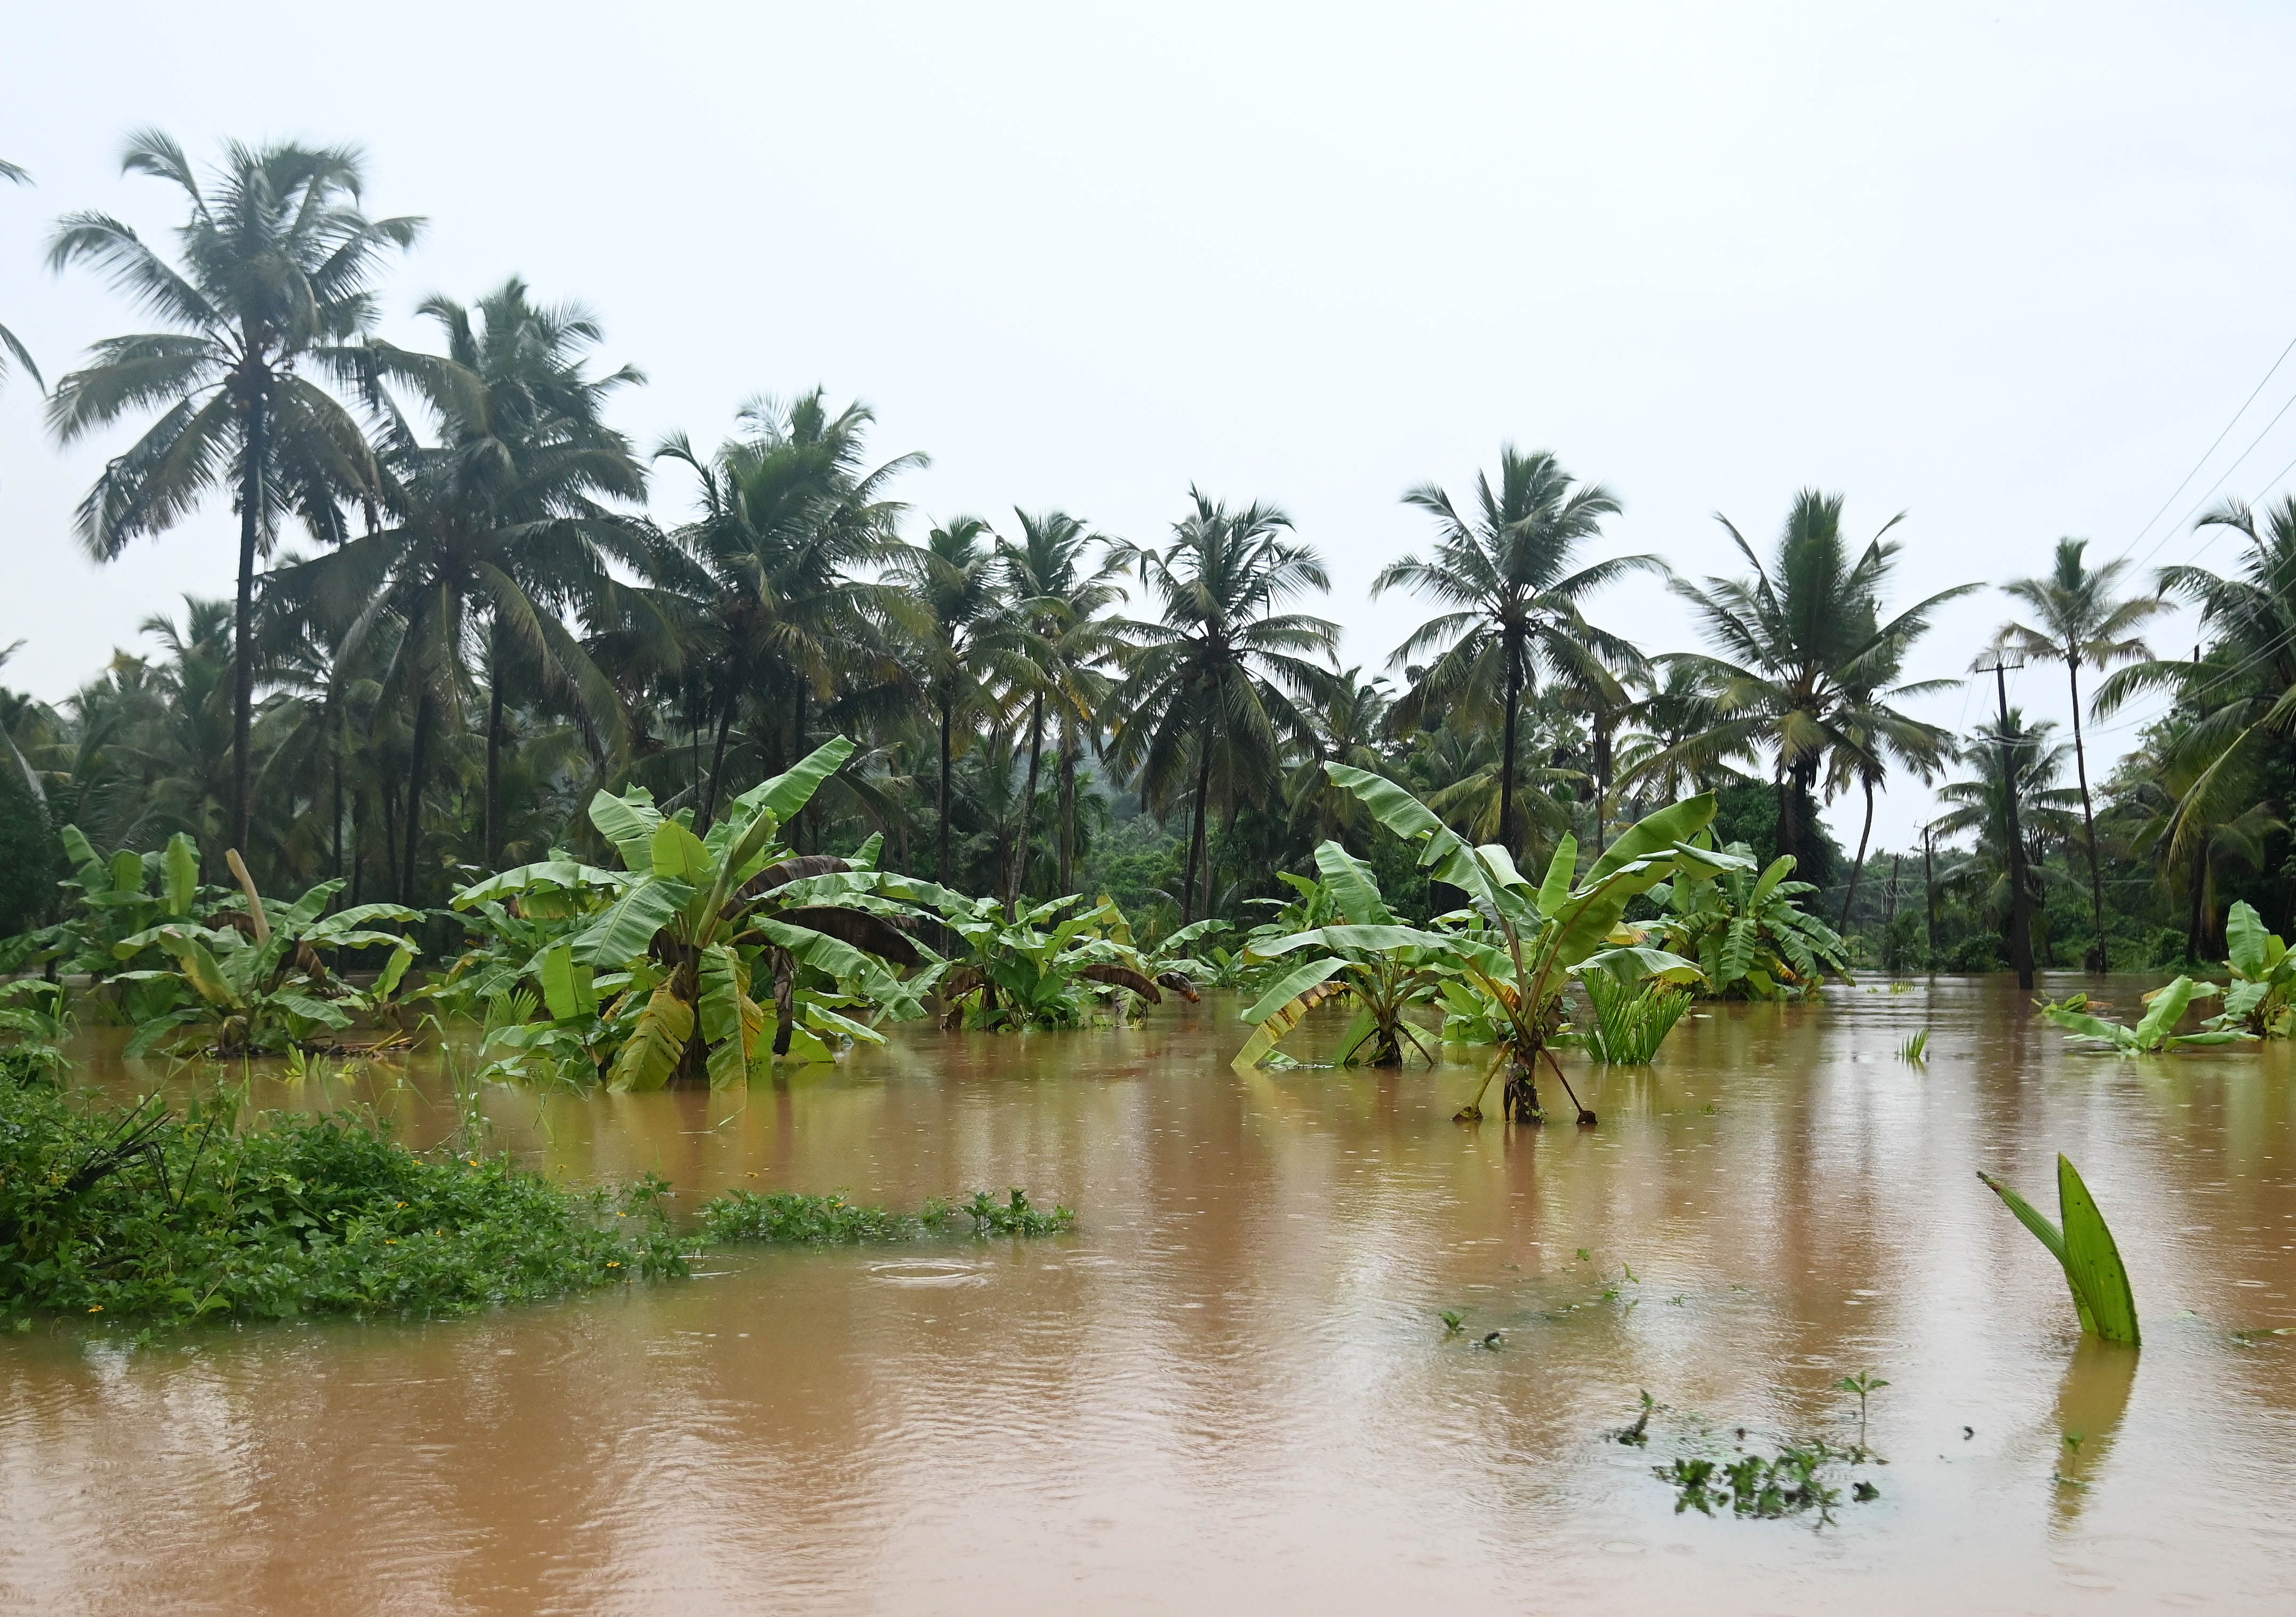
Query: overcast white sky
point(2009, 268)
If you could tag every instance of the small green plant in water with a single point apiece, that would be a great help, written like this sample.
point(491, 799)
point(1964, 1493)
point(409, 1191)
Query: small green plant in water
point(1631, 1019)
point(2086, 1250)
point(1865, 1384)
point(1915, 1050)
point(1452, 1320)
point(1762, 1487)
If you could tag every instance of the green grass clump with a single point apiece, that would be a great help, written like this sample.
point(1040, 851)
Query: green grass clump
point(793, 1218)
point(139, 1214)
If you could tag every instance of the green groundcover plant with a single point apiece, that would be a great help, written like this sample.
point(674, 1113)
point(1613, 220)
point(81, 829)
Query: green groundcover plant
point(141, 1212)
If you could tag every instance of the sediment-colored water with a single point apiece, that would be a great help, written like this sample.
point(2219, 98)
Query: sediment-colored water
point(1230, 1390)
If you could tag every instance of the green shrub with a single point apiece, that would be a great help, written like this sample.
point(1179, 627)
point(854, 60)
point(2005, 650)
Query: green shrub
point(793, 1218)
point(136, 1212)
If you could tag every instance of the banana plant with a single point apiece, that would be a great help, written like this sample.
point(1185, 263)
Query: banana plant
point(716, 955)
point(2259, 998)
point(36, 1012)
point(1047, 968)
point(258, 982)
point(2153, 1035)
point(1532, 938)
point(2084, 1249)
point(1749, 935)
point(117, 895)
point(1369, 958)
point(512, 918)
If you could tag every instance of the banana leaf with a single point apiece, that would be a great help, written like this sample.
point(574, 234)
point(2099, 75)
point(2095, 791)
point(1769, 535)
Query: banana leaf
point(1285, 1017)
point(183, 867)
point(2085, 1250)
point(652, 1054)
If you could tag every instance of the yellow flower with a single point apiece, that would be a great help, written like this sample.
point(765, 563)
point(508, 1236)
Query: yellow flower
point(98, 1309)
point(612, 1264)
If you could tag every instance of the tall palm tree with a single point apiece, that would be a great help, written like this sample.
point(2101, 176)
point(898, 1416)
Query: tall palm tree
point(2019, 757)
point(959, 583)
point(1804, 646)
point(272, 285)
point(8, 340)
point(1675, 701)
point(1349, 718)
point(1210, 702)
point(764, 591)
point(1059, 607)
point(2078, 620)
point(1508, 576)
point(1873, 733)
point(500, 526)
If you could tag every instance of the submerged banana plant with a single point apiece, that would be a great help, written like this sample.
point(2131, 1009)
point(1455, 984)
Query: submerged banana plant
point(2085, 1248)
point(2152, 1035)
point(2259, 998)
point(1531, 939)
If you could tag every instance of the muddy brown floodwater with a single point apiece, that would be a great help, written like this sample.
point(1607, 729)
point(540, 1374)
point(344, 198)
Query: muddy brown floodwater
point(1230, 1389)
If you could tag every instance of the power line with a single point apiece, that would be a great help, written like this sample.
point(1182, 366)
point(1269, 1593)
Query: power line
point(2138, 537)
point(2179, 526)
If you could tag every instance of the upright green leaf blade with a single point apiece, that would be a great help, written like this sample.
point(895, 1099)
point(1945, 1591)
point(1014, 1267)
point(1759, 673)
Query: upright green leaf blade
point(2093, 1261)
point(1655, 834)
point(793, 790)
point(183, 862)
point(1352, 886)
point(2244, 936)
point(2050, 1237)
point(629, 823)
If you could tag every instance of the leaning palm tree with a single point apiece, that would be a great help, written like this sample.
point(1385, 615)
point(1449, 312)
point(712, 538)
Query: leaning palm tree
point(1803, 646)
point(1508, 576)
point(8, 342)
point(1059, 608)
point(500, 526)
point(2244, 691)
point(2078, 620)
point(272, 285)
point(1210, 699)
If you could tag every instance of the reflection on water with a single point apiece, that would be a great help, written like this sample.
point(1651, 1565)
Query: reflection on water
point(1230, 1390)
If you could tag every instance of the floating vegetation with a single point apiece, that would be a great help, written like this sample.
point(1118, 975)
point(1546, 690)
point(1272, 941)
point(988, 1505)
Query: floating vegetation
point(790, 1217)
point(2085, 1247)
point(1797, 1479)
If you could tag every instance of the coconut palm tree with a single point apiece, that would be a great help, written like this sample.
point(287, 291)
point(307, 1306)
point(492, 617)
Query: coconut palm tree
point(1349, 718)
point(1803, 647)
point(1211, 698)
point(8, 342)
point(273, 286)
point(499, 526)
point(1064, 640)
point(2022, 756)
point(1873, 734)
point(2077, 621)
point(1506, 573)
point(2243, 692)
point(764, 592)
point(968, 639)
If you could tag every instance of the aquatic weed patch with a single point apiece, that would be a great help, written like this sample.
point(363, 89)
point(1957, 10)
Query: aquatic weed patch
point(791, 1217)
point(140, 1213)
point(1805, 1478)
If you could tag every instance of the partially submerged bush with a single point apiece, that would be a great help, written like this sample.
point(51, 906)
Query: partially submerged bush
point(793, 1218)
point(137, 1212)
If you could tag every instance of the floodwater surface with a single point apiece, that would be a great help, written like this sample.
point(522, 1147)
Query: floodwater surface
point(1231, 1390)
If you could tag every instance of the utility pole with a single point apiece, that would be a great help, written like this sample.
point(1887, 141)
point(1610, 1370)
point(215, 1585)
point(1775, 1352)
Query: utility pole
point(2021, 925)
point(1928, 887)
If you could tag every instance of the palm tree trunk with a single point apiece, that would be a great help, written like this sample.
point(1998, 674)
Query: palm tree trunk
point(1196, 834)
point(717, 763)
point(242, 656)
point(1785, 837)
point(1858, 866)
point(1601, 786)
point(410, 879)
point(2095, 961)
point(1929, 889)
point(797, 738)
point(1027, 803)
point(1507, 746)
point(2196, 912)
point(1067, 829)
point(335, 735)
point(493, 814)
point(941, 867)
